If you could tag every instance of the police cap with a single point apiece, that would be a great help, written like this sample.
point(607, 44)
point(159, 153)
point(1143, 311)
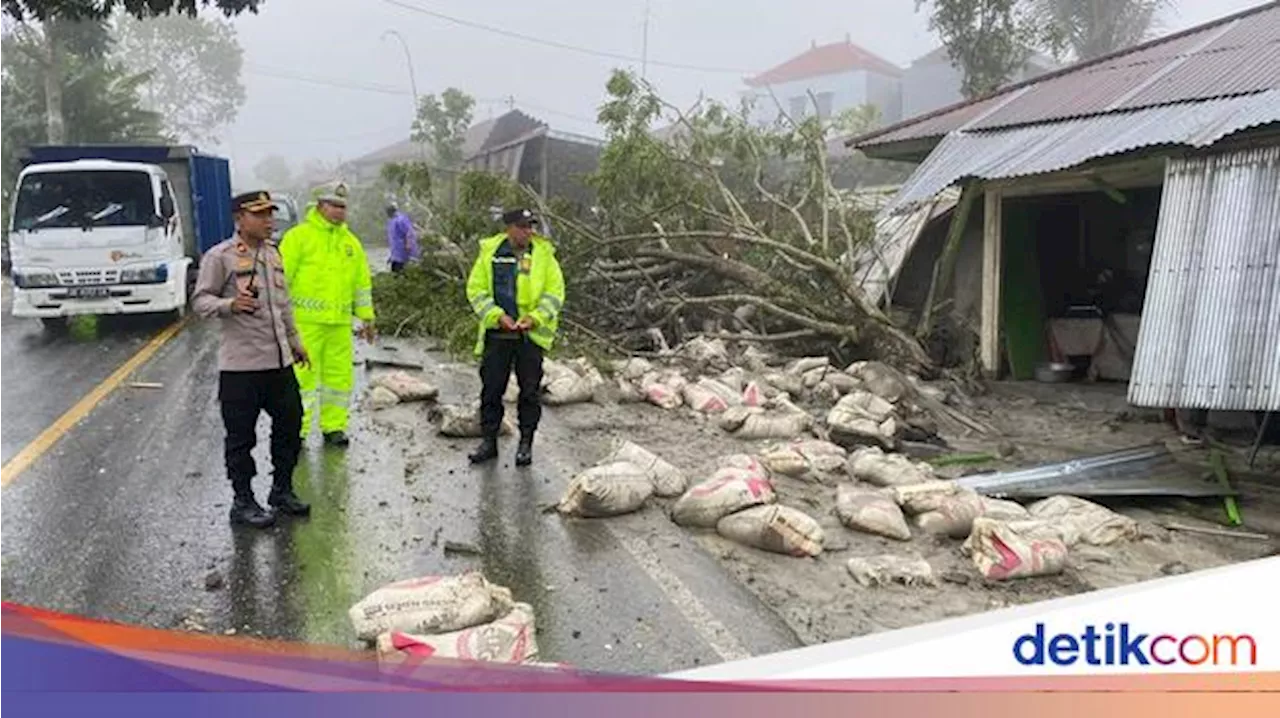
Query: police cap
point(520, 217)
point(256, 201)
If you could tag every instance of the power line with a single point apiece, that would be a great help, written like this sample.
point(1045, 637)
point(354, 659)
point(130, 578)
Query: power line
point(290, 75)
point(565, 46)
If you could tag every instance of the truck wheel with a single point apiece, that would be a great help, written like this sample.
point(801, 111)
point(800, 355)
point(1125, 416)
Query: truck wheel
point(54, 324)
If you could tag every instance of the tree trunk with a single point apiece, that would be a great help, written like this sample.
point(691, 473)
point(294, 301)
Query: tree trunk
point(55, 127)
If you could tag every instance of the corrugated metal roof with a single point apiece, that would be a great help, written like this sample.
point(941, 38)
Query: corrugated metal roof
point(1232, 56)
point(1051, 147)
point(877, 264)
point(1211, 319)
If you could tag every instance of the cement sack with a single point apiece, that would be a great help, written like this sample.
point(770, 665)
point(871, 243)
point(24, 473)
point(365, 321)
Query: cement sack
point(826, 393)
point(710, 396)
point(880, 379)
point(804, 457)
point(629, 392)
point(871, 511)
point(842, 382)
point(889, 569)
point(752, 423)
point(1001, 552)
point(753, 395)
point(729, 490)
point(862, 418)
point(406, 387)
point(667, 480)
point(709, 352)
point(553, 370)
point(800, 367)
point(813, 377)
point(734, 378)
point(660, 394)
point(954, 516)
point(509, 639)
point(432, 604)
point(380, 397)
point(755, 359)
point(463, 421)
point(573, 388)
point(746, 462)
point(924, 496)
point(1004, 510)
point(783, 382)
point(1096, 525)
point(631, 369)
point(874, 466)
point(780, 529)
point(610, 489)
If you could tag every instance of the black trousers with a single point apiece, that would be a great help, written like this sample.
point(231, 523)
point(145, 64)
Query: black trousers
point(397, 266)
point(244, 395)
point(501, 354)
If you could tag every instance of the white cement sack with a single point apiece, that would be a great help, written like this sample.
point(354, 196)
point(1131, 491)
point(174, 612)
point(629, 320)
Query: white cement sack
point(780, 529)
point(813, 377)
point(954, 516)
point(631, 369)
point(572, 388)
point(667, 480)
point(509, 639)
point(753, 395)
point(463, 421)
point(861, 417)
point(380, 397)
point(747, 462)
point(1096, 525)
point(881, 380)
point(871, 511)
point(553, 370)
point(799, 367)
point(432, 604)
point(734, 378)
point(610, 489)
point(784, 460)
point(629, 392)
point(710, 352)
point(784, 382)
point(710, 396)
point(924, 496)
point(406, 387)
point(826, 393)
point(889, 569)
point(842, 382)
point(874, 466)
point(752, 423)
point(804, 457)
point(755, 359)
point(1004, 510)
point(1001, 552)
point(727, 491)
point(661, 395)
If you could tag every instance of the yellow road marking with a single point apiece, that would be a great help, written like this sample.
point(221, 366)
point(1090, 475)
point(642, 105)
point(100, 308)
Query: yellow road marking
point(47, 438)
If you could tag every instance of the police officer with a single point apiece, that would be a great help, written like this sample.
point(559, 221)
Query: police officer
point(329, 278)
point(242, 284)
point(516, 289)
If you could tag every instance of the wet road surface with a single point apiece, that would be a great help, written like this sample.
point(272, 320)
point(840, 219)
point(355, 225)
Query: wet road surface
point(125, 518)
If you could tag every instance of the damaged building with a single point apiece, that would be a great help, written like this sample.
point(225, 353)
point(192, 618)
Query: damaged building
point(1115, 220)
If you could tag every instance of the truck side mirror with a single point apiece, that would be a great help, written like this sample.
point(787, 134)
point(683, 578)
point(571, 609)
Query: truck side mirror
point(166, 207)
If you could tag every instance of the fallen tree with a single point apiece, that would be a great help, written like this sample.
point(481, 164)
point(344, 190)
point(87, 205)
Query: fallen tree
point(714, 227)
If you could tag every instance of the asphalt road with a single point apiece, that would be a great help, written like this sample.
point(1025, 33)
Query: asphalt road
point(125, 518)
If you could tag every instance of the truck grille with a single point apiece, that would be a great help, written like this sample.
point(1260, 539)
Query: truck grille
point(76, 277)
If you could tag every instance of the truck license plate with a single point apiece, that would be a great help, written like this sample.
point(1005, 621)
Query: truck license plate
point(89, 292)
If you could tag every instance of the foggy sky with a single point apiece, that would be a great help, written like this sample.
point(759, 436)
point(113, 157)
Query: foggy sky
point(292, 46)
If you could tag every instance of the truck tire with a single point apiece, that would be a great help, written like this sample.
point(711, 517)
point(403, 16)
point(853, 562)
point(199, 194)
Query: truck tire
point(54, 324)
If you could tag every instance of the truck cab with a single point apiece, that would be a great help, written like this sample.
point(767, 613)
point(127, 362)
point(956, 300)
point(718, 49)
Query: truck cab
point(95, 235)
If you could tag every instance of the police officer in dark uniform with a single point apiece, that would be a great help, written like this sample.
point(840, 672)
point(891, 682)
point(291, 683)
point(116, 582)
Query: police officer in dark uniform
point(242, 284)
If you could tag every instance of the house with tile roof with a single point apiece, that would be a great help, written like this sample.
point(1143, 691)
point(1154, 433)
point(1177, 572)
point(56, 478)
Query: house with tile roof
point(838, 75)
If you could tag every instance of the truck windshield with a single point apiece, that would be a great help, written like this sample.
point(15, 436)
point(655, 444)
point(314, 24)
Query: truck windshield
point(98, 198)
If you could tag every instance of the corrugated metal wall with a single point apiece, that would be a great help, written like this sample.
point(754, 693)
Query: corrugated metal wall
point(1210, 333)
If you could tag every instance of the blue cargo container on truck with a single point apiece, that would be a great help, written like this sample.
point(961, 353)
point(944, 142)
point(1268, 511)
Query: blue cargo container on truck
point(111, 229)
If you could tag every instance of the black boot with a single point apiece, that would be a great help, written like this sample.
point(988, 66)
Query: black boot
point(487, 451)
point(524, 452)
point(336, 438)
point(246, 510)
point(284, 501)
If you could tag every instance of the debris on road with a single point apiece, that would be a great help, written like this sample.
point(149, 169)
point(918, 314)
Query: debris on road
point(806, 458)
point(890, 569)
point(776, 528)
point(954, 515)
point(512, 638)
point(729, 490)
point(1006, 550)
point(1230, 533)
point(373, 362)
point(406, 387)
point(570, 383)
point(871, 511)
point(463, 421)
point(1094, 524)
point(460, 548)
point(428, 605)
point(145, 385)
point(751, 422)
point(874, 466)
point(609, 489)
point(1004, 510)
point(381, 397)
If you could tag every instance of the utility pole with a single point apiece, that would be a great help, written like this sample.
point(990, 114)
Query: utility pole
point(413, 82)
point(644, 50)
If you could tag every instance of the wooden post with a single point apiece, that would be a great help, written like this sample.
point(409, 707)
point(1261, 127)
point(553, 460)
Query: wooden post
point(992, 271)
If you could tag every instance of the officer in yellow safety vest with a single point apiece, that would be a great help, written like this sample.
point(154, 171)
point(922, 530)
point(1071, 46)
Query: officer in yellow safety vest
point(329, 281)
point(516, 289)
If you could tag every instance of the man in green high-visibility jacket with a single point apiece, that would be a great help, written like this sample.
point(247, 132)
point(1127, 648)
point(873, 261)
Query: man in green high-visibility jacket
point(516, 289)
point(330, 283)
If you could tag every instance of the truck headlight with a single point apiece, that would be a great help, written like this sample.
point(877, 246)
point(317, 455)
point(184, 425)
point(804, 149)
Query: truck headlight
point(145, 275)
point(35, 280)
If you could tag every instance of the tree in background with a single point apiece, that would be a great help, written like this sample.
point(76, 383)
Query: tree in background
point(275, 171)
point(1093, 28)
point(42, 10)
point(194, 65)
point(442, 124)
point(991, 40)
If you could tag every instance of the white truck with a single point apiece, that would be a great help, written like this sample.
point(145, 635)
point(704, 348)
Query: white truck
point(113, 229)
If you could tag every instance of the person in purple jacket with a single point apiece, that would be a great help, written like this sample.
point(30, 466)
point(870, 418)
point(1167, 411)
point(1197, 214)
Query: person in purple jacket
point(401, 238)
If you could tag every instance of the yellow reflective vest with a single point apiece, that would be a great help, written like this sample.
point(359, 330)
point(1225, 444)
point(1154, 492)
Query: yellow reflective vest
point(539, 291)
point(327, 272)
